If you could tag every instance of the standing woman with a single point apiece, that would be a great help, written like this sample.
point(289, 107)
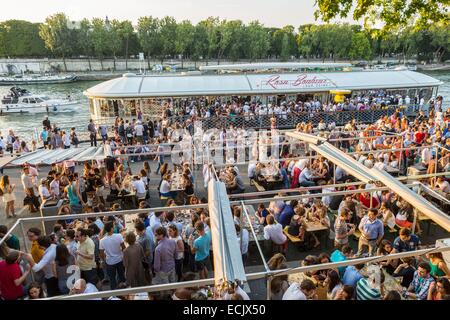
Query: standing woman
point(8, 196)
point(173, 234)
point(63, 260)
point(133, 258)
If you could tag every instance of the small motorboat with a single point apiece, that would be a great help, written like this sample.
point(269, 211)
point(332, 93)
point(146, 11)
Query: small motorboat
point(20, 101)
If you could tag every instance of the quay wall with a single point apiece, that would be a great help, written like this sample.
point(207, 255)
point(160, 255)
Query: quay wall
point(83, 66)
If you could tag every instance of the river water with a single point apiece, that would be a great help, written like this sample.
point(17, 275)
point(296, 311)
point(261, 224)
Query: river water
point(25, 125)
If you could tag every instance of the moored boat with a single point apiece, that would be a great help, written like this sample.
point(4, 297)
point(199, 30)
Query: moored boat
point(46, 79)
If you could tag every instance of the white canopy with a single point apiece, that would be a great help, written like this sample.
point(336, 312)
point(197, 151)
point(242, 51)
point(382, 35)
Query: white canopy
point(274, 65)
point(228, 266)
point(138, 86)
point(47, 157)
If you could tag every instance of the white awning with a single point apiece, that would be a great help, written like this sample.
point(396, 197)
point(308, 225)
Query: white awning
point(48, 157)
point(228, 265)
point(138, 86)
point(274, 65)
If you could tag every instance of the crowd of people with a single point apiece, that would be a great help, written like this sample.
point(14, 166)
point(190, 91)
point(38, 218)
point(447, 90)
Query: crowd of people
point(175, 245)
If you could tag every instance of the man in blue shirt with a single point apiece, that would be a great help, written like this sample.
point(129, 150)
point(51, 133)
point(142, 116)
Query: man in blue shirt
point(200, 248)
point(352, 275)
point(338, 256)
point(372, 232)
point(405, 241)
point(286, 215)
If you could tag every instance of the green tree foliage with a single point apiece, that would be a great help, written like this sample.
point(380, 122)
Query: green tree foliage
point(126, 33)
point(360, 47)
point(57, 36)
point(20, 38)
point(258, 41)
point(201, 43)
point(101, 36)
point(84, 40)
point(393, 13)
point(115, 38)
point(168, 32)
point(221, 39)
point(284, 43)
point(149, 35)
point(184, 41)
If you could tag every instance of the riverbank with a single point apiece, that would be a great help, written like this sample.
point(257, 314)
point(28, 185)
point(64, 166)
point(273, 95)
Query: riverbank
point(94, 69)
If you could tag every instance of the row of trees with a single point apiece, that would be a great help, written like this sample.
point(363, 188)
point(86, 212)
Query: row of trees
point(217, 39)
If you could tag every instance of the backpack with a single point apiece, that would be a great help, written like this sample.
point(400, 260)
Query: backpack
point(129, 132)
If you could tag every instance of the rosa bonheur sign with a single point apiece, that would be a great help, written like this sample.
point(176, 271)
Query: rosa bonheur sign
point(294, 81)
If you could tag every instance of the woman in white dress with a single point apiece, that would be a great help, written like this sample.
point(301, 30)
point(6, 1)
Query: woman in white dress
point(8, 196)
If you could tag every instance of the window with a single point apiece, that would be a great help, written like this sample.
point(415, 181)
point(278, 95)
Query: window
point(25, 100)
point(38, 100)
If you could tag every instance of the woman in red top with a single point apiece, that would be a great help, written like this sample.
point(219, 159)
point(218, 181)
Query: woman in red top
point(438, 289)
point(364, 198)
point(11, 277)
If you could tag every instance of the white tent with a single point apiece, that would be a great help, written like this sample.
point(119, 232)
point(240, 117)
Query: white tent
point(228, 265)
point(141, 86)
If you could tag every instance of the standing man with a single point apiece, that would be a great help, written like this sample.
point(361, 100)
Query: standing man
point(139, 132)
point(111, 165)
point(111, 251)
point(164, 260)
point(372, 232)
point(46, 265)
point(86, 256)
point(200, 248)
point(30, 199)
point(46, 123)
point(92, 133)
point(104, 132)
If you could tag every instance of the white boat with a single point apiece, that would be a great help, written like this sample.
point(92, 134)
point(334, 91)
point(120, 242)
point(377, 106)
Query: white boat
point(36, 79)
point(20, 101)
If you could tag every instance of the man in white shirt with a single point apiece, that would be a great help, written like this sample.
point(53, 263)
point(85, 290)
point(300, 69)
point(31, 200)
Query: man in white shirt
point(243, 239)
point(43, 191)
point(274, 231)
point(54, 186)
point(46, 265)
point(81, 287)
point(139, 131)
point(251, 169)
point(380, 165)
point(139, 187)
point(304, 291)
point(306, 177)
point(111, 247)
point(442, 185)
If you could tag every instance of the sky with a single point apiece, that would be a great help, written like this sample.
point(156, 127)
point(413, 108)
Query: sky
point(272, 13)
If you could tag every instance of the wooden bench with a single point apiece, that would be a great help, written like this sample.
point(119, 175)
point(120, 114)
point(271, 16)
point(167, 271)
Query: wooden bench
point(292, 238)
point(258, 187)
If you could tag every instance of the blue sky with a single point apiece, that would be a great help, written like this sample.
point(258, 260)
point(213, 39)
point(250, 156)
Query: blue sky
point(274, 13)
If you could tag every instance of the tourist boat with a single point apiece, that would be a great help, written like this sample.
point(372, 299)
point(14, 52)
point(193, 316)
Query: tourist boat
point(22, 101)
point(146, 95)
point(36, 79)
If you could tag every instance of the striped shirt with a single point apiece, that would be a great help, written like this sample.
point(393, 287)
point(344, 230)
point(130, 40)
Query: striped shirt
point(365, 292)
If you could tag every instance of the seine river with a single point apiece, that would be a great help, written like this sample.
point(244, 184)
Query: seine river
point(25, 125)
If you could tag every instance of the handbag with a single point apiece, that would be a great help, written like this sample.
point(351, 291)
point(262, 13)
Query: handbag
point(146, 265)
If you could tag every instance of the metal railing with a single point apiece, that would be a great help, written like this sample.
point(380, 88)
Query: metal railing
point(268, 274)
